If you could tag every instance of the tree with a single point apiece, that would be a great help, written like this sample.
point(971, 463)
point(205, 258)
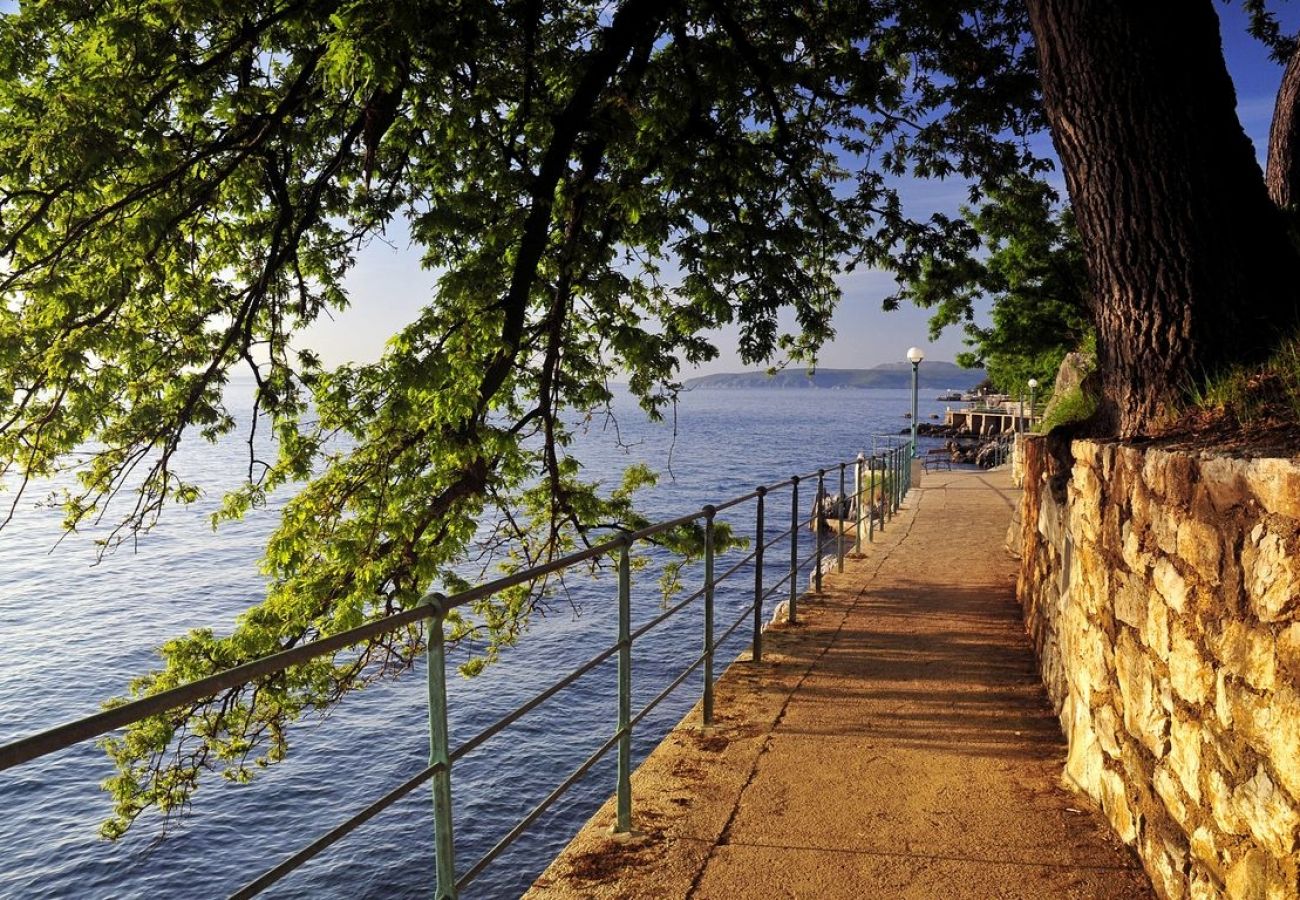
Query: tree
point(1031, 269)
point(183, 187)
point(1192, 266)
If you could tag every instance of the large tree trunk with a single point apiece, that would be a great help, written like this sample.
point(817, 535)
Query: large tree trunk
point(1282, 174)
point(1191, 267)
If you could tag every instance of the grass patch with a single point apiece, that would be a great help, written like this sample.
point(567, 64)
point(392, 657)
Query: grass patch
point(1073, 406)
point(1252, 395)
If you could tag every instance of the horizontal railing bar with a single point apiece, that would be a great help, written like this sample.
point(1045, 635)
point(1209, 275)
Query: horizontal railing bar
point(663, 695)
point(74, 732)
point(65, 735)
point(773, 589)
point(781, 536)
point(744, 615)
point(521, 711)
point(537, 810)
point(271, 876)
point(671, 611)
point(735, 501)
point(732, 571)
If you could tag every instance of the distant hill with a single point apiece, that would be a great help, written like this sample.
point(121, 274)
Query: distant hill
point(934, 375)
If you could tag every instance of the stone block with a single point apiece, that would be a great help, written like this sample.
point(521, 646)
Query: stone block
point(1255, 876)
point(1203, 887)
point(1226, 815)
point(1205, 850)
point(1155, 632)
point(1106, 725)
point(1165, 856)
point(1276, 485)
point(1137, 559)
point(1190, 674)
point(1267, 813)
point(1246, 652)
point(1145, 714)
point(1084, 764)
point(1114, 801)
point(1198, 546)
point(1271, 572)
point(1185, 755)
point(1288, 650)
point(1154, 465)
point(1166, 785)
point(1170, 584)
point(1224, 480)
point(1282, 738)
point(1130, 594)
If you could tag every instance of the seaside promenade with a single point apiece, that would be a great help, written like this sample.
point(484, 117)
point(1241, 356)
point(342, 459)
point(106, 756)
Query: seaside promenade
point(895, 743)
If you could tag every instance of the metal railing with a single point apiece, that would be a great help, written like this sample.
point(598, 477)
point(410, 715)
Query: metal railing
point(880, 483)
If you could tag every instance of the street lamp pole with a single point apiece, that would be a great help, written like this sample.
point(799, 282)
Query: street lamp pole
point(1033, 388)
point(914, 356)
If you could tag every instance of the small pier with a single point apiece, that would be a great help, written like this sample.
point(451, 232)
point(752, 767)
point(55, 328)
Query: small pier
point(989, 421)
point(896, 742)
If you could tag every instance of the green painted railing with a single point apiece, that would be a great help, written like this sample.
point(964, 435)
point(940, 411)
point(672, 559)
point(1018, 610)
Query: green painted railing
point(887, 471)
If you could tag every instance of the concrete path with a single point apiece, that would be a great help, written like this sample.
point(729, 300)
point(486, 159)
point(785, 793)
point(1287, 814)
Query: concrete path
point(896, 743)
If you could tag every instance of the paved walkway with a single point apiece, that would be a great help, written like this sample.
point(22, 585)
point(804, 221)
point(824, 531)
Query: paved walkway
point(896, 743)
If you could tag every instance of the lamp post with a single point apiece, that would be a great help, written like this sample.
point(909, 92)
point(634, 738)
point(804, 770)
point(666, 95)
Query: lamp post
point(914, 355)
point(1033, 387)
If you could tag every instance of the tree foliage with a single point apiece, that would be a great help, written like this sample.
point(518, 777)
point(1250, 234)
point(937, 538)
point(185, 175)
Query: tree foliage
point(1032, 273)
point(184, 187)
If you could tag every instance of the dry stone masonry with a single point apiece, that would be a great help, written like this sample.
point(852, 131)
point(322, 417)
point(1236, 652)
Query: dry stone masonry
point(1162, 592)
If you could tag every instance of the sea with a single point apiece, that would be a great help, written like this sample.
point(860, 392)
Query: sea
point(75, 629)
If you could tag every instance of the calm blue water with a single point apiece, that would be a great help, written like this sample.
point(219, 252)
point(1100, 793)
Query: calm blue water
point(72, 633)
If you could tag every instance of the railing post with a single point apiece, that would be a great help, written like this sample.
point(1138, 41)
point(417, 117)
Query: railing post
point(791, 615)
point(857, 488)
point(821, 493)
point(440, 754)
point(709, 513)
point(871, 498)
point(756, 655)
point(839, 529)
point(623, 822)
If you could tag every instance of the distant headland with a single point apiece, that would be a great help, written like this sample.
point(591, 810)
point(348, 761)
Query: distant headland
point(940, 375)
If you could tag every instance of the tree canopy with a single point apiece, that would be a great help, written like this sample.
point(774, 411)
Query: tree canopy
point(1033, 274)
point(184, 187)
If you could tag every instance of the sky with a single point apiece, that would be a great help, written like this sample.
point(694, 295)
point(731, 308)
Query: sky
point(388, 285)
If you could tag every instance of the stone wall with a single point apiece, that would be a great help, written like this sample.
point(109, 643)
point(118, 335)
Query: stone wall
point(1162, 592)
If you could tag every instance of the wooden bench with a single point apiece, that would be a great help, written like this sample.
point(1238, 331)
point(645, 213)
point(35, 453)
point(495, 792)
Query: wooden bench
point(939, 457)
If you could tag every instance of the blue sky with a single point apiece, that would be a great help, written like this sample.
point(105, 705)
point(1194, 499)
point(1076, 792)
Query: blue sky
point(388, 285)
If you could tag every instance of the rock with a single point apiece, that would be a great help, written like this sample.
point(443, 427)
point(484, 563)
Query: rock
point(1084, 763)
point(1224, 481)
point(1198, 546)
point(1253, 876)
point(1189, 674)
point(1145, 715)
point(1247, 653)
point(1166, 786)
point(1072, 376)
point(1155, 631)
point(1185, 755)
point(1222, 807)
point(1271, 572)
point(1206, 850)
point(1114, 801)
point(1288, 650)
point(1170, 584)
point(1106, 726)
point(1276, 485)
point(1130, 595)
point(1267, 813)
point(1137, 559)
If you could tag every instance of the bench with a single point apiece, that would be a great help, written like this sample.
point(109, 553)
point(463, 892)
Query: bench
point(937, 458)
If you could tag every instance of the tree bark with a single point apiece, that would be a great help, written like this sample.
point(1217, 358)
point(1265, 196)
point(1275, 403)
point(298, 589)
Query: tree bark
point(1282, 173)
point(1191, 267)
